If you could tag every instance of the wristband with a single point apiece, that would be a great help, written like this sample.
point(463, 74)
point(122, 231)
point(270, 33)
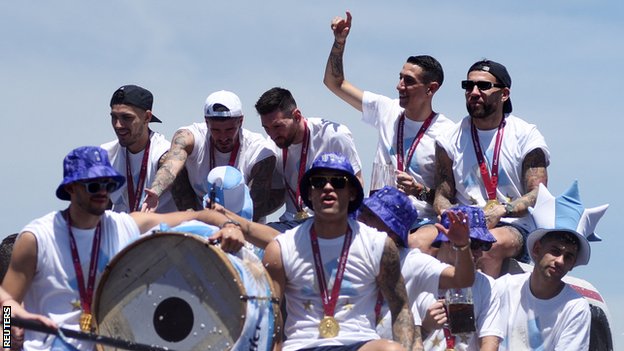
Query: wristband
point(230, 221)
point(461, 248)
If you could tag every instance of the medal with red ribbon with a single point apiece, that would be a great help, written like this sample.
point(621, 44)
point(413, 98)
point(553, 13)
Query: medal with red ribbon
point(295, 195)
point(329, 327)
point(134, 195)
point(489, 181)
point(403, 165)
point(85, 292)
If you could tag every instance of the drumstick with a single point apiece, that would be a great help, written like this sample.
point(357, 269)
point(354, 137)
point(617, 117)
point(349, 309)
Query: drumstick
point(100, 339)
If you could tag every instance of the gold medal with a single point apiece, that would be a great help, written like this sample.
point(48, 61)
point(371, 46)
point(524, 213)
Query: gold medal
point(85, 322)
point(301, 215)
point(490, 205)
point(329, 327)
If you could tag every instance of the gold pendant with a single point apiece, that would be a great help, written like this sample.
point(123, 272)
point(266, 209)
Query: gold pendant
point(329, 327)
point(85, 322)
point(301, 215)
point(490, 205)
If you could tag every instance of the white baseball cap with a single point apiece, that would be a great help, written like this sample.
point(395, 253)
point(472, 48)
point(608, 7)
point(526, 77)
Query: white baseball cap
point(223, 104)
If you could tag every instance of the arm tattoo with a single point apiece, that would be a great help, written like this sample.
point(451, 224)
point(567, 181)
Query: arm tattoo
point(444, 181)
point(533, 173)
point(336, 66)
point(392, 286)
point(174, 161)
point(260, 187)
point(183, 193)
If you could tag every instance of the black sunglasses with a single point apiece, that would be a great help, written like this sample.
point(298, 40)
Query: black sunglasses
point(96, 186)
point(482, 85)
point(337, 182)
point(479, 244)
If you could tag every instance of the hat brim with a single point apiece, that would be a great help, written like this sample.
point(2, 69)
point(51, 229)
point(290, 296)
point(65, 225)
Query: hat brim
point(93, 173)
point(583, 254)
point(304, 187)
point(155, 119)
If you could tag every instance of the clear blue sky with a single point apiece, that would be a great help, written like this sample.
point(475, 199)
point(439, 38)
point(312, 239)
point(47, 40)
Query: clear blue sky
point(61, 61)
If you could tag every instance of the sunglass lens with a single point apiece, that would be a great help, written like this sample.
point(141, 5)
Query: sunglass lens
point(318, 182)
point(483, 85)
point(339, 182)
point(93, 187)
point(467, 84)
point(111, 186)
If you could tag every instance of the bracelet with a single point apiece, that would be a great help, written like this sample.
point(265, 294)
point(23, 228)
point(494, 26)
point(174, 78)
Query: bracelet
point(230, 221)
point(461, 248)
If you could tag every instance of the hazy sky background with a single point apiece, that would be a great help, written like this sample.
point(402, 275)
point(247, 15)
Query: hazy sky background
point(61, 61)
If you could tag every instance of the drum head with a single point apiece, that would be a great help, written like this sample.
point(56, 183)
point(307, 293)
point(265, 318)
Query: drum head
point(172, 290)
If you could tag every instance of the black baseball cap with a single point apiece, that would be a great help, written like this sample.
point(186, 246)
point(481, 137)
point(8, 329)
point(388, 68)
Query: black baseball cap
point(497, 70)
point(136, 96)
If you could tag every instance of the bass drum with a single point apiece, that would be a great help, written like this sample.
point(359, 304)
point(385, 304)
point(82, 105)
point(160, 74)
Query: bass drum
point(177, 291)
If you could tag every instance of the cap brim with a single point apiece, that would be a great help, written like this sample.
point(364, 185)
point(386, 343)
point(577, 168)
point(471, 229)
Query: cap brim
point(155, 119)
point(583, 254)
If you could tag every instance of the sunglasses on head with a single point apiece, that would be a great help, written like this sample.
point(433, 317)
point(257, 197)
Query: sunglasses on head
point(94, 187)
point(479, 244)
point(482, 85)
point(337, 182)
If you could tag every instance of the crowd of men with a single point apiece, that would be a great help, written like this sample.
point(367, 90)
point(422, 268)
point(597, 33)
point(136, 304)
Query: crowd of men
point(354, 272)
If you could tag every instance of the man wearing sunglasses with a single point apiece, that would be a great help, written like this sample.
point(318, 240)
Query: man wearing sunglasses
point(138, 150)
point(330, 269)
point(58, 258)
point(407, 127)
point(494, 160)
point(488, 323)
point(220, 140)
point(297, 142)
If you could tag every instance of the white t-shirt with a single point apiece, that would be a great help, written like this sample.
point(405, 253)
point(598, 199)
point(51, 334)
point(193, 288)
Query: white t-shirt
point(488, 320)
point(383, 113)
point(560, 323)
point(117, 156)
point(325, 136)
point(358, 291)
point(253, 149)
point(519, 139)
point(421, 272)
point(54, 287)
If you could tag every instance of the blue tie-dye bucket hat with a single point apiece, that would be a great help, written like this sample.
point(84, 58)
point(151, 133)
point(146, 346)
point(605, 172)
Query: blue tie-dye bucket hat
point(86, 163)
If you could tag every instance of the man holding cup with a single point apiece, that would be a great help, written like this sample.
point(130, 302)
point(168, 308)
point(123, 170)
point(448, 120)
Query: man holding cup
point(463, 319)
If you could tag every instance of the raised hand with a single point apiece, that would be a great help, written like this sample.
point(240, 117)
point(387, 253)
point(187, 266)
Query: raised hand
point(341, 27)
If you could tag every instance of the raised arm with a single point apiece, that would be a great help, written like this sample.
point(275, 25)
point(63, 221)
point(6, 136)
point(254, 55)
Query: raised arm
point(444, 181)
point(334, 72)
point(181, 147)
point(260, 188)
point(462, 273)
point(392, 286)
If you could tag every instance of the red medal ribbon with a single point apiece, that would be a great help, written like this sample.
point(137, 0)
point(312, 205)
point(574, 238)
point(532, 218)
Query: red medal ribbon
point(448, 336)
point(410, 153)
point(86, 293)
point(134, 196)
point(490, 182)
point(329, 302)
point(233, 154)
point(295, 196)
